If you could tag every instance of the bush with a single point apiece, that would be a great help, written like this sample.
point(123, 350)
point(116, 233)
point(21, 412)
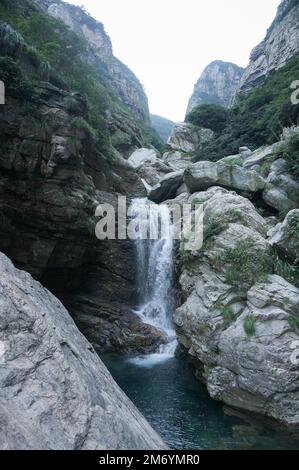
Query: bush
point(249, 325)
point(16, 82)
point(289, 150)
point(294, 322)
point(228, 316)
point(210, 116)
point(244, 264)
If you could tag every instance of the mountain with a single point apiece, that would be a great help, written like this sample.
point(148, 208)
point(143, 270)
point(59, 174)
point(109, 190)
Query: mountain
point(124, 82)
point(162, 126)
point(279, 46)
point(217, 85)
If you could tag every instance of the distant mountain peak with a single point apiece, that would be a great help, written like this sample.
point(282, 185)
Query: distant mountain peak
point(216, 85)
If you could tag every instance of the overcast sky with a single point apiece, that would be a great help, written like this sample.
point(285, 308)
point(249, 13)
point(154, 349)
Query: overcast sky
point(167, 43)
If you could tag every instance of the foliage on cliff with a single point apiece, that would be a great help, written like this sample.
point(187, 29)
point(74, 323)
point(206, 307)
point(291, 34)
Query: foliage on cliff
point(258, 117)
point(50, 51)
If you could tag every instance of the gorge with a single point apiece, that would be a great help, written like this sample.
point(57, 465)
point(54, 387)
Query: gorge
point(201, 345)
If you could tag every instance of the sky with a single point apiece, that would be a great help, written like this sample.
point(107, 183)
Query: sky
point(168, 43)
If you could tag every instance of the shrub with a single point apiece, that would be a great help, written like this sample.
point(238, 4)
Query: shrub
point(228, 316)
point(294, 322)
point(249, 325)
point(289, 150)
point(16, 82)
point(210, 116)
point(244, 264)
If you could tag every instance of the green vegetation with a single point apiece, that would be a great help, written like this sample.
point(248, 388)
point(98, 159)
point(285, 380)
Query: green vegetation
point(288, 271)
point(213, 226)
point(294, 322)
point(289, 150)
point(243, 264)
point(249, 325)
point(258, 117)
point(228, 316)
point(17, 83)
point(211, 116)
point(44, 48)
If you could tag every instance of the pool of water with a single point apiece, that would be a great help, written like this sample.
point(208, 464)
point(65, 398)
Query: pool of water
point(179, 408)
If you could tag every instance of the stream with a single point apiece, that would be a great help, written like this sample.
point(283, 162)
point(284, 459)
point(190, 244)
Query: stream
point(162, 385)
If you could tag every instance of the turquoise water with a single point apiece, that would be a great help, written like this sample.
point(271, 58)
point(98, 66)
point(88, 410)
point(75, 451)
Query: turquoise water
point(181, 411)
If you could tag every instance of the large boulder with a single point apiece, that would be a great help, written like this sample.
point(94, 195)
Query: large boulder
point(203, 175)
point(167, 187)
point(281, 190)
point(55, 391)
point(141, 156)
point(177, 160)
point(286, 235)
point(188, 138)
point(237, 321)
point(260, 373)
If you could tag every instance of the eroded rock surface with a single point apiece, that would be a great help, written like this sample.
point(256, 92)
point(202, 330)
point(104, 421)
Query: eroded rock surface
point(55, 391)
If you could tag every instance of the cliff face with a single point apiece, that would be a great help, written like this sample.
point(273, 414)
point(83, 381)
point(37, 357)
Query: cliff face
point(279, 46)
point(122, 79)
point(217, 85)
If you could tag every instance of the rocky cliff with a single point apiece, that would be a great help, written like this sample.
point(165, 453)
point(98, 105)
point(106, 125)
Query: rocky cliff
point(56, 393)
point(217, 85)
point(279, 46)
point(122, 79)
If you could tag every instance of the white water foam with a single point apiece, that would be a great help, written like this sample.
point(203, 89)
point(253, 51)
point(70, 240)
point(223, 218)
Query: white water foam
point(155, 266)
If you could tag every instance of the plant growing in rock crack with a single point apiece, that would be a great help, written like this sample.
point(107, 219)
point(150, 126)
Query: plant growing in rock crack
point(249, 325)
point(213, 226)
point(244, 264)
point(293, 321)
point(228, 316)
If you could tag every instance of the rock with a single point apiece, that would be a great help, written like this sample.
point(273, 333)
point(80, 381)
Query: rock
point(126, 85)
point(217, 85)
point(141, 156)
point(152, 173)
point(188, 138)
point(279, 46)
point(55, 391)
point(257, 373)
point(203, 175)
point(245, 150)
point(281, 190)
point(229, 207)
point(167, 187)
point(177, 160)
point(260, 156)
point(286, 235)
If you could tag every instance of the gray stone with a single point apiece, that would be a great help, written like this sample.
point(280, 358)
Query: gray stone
point(188, 138)
point(286, 235)
point(55, 391)
point(203, 175)
point(167, 187)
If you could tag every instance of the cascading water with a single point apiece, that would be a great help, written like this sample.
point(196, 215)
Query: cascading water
point(155, 269)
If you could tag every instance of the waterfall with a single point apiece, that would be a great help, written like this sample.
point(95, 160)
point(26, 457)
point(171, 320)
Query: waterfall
point(155, 270)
